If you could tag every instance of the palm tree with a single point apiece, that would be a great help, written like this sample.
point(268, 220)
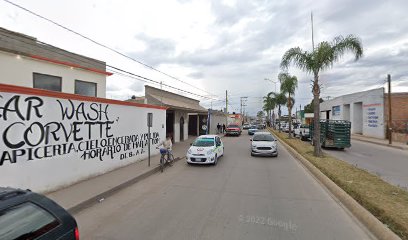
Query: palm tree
point(288, 86)
point(280, 99)
point(320, 59)
point(269, 105)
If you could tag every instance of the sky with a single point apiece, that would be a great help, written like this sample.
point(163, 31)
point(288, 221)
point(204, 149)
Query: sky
point(212, 46)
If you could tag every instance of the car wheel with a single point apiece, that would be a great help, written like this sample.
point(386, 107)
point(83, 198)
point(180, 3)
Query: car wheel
point(215, 160)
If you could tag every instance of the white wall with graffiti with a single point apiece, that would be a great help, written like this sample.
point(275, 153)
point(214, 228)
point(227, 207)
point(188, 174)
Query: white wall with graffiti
point(47, 142)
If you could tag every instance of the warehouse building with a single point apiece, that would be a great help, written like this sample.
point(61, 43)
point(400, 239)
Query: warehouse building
point(368, 113)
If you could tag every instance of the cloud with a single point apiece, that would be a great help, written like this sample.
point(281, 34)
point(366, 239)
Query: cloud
point(232, 45)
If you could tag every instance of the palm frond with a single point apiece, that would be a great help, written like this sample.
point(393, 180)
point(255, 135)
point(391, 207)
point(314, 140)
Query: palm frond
point(299, 58)
point(350, 43)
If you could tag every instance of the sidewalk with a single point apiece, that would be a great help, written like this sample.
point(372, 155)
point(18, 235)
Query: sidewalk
point(88, 192)
point(383, 142)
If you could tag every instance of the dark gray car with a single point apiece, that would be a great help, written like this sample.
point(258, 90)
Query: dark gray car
point(28, 215)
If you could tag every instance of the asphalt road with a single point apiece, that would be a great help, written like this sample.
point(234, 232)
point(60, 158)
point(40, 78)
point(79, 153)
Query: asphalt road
point(388, 163)
point(243, 197)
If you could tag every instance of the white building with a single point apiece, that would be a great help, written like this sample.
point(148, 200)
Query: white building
point(26, 62)
point(365, 111)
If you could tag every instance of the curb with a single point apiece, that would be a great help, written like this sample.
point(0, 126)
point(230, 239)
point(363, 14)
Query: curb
point(377, 228)
point(98, 198)
point(381, 144)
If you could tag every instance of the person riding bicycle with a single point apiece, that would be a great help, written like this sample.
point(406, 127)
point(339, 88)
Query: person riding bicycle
point(167, 147)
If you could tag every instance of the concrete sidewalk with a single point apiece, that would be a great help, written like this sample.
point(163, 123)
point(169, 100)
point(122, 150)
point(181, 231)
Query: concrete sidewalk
point(383, 142)
point(88, 192)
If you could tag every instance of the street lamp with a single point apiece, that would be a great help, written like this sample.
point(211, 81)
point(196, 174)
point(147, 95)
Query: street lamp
point(274, 82)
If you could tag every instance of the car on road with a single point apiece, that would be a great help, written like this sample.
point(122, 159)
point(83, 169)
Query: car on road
point(246, 126)
point(302, 131)
point(252, 129)
point(233, 129)
point(264, 144)
point(28, 215)
point(206, 149)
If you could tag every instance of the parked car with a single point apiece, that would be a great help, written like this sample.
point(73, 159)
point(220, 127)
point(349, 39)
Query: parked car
point(302, 131)
point(264, 144)
point(233, 129)
point(246, 126)
point(206, 149)
point(28, 215)
point(252, 129)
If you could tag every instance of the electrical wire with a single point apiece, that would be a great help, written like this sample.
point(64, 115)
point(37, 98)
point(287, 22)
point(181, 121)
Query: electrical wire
point(103, 45)
point(137, 77)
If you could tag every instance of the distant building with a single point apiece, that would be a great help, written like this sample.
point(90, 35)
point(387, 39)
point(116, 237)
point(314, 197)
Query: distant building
point(216, 117)
point(26, 62)
point(184, 115)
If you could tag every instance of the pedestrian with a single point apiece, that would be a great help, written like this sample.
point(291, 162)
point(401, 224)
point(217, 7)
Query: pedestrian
point(223, 128)
point(218, 128)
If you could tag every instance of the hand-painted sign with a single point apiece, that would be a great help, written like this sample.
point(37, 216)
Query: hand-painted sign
point(46, 130)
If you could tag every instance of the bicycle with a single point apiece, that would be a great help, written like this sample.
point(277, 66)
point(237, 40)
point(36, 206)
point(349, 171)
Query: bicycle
point(164, 160)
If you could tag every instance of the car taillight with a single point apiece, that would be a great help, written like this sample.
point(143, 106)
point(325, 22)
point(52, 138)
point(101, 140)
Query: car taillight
point(76, 234)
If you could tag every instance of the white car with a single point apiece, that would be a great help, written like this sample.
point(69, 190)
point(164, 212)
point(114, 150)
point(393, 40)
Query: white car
point(264, 144)
point(205, 149)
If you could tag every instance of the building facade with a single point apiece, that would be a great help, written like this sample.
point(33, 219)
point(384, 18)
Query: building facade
point(368, 113)
point(27, 62)
point(365, 111)
point(184, 116)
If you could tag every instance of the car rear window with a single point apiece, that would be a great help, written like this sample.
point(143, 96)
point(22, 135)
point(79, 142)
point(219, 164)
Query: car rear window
point(25, 221)
point(203, 142)
point(263, 137)
point(233, 126)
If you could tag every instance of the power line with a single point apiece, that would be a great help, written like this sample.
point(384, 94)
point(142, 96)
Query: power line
point(145, 79)
point(103, 45)
point(135, 76)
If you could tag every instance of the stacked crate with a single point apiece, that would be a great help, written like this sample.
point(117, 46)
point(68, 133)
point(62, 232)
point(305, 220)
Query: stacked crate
point(334, 133)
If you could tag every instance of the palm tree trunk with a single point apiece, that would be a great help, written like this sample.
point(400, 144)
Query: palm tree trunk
point(316, 117)
point(290, 116)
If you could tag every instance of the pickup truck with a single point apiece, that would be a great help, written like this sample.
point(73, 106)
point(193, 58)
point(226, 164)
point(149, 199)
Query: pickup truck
point(303, 132)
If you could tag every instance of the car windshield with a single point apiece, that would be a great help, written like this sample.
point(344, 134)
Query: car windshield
point(233, 126)
point(203, 142)
point(263, 137)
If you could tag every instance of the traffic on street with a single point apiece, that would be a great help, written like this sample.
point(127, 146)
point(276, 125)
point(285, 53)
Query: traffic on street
point(242, 197)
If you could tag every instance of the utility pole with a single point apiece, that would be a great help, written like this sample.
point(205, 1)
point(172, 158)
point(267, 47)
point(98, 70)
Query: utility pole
point(389, 111)
point(226, 101)
point(311, 18)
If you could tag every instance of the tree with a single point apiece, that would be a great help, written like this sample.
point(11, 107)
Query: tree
point(320, 59)
point(269, 105)
point(288, 86)
point(309, 108)
point(280, 100)
point(260, 115)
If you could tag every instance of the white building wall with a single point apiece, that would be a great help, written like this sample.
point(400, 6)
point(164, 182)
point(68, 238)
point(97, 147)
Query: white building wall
point(366, 111)
point(19, 71)
point(177, 115)
point(45, 165)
